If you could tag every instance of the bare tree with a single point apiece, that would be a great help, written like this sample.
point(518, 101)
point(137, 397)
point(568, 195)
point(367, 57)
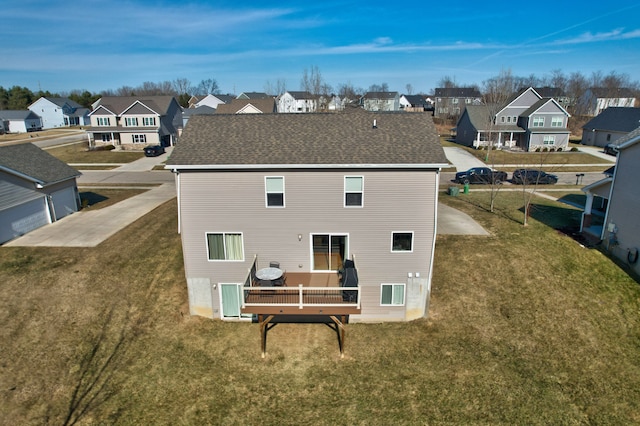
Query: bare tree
point(447, 82)
point(497, 91)
point(277, 88)
point(409, 89)
point(208, 87)
point(312, 81)
point(181, 86)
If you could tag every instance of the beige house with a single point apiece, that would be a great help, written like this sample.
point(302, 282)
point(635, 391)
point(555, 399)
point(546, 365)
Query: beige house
point(310, 195)
point(619, 230)
point(130, 122)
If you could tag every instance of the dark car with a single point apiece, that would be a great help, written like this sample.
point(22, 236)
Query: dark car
point(153, 150)
point(481, 175)
point(531, 177)
point(611, 149)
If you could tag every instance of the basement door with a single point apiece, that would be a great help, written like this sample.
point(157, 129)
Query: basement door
point(230, 301)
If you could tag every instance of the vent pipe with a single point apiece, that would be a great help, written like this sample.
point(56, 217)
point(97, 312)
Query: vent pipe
point(375, 123)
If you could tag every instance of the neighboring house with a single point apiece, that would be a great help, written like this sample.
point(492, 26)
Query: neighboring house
point(336, 103)
point(527, 121)
point(450, 102)
point(20, 121)
point(309, 191)
point(610, 125)
point(381, 101)
point(213, 101)
point(555, 93)
point(248, 106)
point(60, 112)
point(254, 95)
point(619, 230)
point(297, 102)
point(415, 103)
point(35, 189)
point(130, 122)
point(190, 112)
point(597, 99)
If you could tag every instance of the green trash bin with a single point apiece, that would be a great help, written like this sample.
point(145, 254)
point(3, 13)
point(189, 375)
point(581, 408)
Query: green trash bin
point(453, 191)
point(466, 188)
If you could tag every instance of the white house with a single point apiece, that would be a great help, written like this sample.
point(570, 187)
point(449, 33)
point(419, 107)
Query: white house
point(20, 121)
point(60, 112)
point(296, 102)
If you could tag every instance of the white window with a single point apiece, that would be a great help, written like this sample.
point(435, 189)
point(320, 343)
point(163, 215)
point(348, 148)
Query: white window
point(392, 294)
point(402, 241)
point(538, 121)
point(103, 121)
point(274, 189)
point(148, 121)
point(557, 121)
point(130, 121)
point(225, 246)
point(353, 191)
point(509, 119)
point(106, 137)
point(454, 101)
point(139, 138)
point(502, 119)
point(515, 119)
point(549, 140)
point(468, 101)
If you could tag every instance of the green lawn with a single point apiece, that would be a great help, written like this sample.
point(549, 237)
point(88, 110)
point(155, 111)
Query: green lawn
point(79, 153)
point(525, 327)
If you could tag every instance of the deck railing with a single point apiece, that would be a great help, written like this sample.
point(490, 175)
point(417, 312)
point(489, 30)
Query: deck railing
point(302, 297)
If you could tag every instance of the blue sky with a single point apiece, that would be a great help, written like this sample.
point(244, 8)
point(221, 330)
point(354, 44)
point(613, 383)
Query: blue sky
point(96, 45)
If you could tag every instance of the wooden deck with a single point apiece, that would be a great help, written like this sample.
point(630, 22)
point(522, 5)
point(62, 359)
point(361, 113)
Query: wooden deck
point(303, 294)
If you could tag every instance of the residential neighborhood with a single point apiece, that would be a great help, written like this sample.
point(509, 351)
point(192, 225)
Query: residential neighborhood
point(317, 228)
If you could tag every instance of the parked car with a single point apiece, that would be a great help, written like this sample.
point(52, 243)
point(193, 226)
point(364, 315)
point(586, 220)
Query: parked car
point(611, 149)
point(481, 175)
point(531, 177)
point(153, 150)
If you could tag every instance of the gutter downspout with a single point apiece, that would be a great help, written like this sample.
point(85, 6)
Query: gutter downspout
point(178, 199)
point(433, 246)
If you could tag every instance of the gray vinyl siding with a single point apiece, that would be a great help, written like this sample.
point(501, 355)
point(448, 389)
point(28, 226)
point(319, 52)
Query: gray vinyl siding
point(235, 202)
point(466, 133)
point(624, 204)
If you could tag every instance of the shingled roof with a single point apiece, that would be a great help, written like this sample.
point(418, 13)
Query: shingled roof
point(30, 162)
point(618, 119)
point(346, 139)
point(118, 104)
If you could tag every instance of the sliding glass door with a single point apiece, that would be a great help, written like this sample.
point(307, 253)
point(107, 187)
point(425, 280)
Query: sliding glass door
point(329, 251)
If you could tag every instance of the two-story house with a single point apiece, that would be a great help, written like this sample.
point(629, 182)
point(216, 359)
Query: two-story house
point(597, 99)
point(315, 193)
point(60, 112)
point(130, 122)
point(450, 102)
point(610, 125)
point(297, 102)
point(620, 230)
point(381, 101)
point(527, 121)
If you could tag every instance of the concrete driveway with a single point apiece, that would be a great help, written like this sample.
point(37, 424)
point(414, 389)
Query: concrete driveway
point(88, 228)
point(461, 159)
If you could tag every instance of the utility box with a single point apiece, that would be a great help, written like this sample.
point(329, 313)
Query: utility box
point(453, 191)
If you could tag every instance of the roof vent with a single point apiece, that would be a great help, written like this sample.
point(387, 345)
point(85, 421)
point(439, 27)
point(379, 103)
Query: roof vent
point(375, 124)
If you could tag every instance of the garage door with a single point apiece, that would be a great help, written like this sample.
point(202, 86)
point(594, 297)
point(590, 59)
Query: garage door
point(64, 202)
point(21, 219)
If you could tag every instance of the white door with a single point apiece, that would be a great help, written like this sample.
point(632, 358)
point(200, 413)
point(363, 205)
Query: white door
point(231, 302)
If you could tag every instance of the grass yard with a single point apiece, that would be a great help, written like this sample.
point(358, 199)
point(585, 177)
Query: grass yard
point(525, 327)
point(79, 153)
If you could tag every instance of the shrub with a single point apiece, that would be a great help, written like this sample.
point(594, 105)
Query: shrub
point(552, 149)
point(559, 149)
point(574, 149)
point(545, 149)
point(538, 149)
